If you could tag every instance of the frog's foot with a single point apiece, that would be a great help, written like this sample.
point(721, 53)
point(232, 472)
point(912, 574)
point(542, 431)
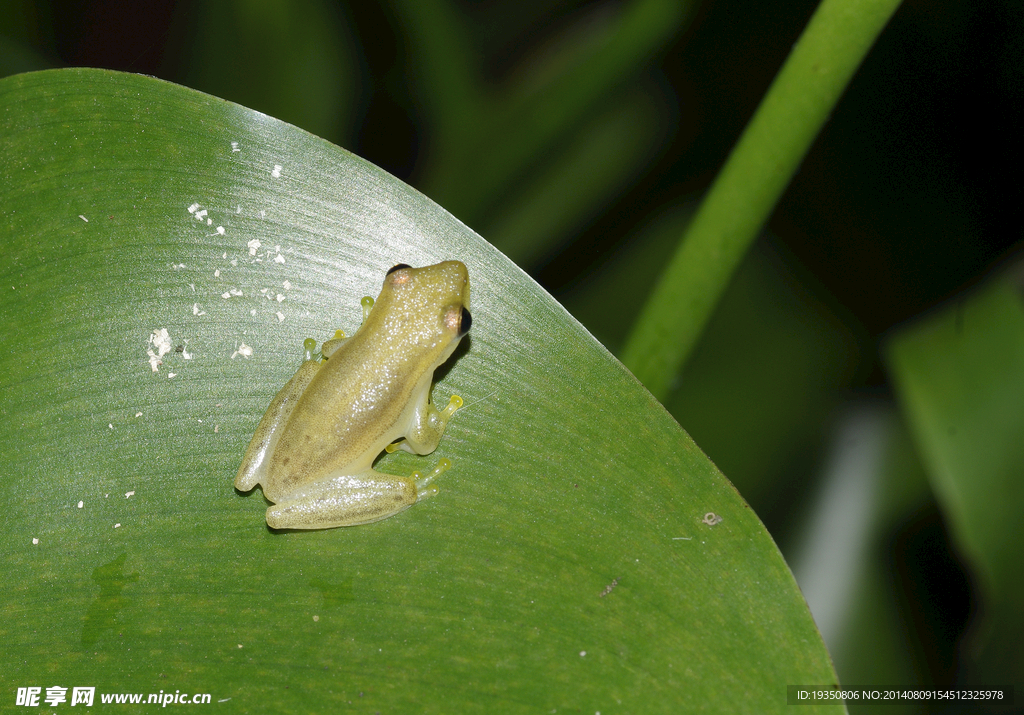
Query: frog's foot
point(423, 488)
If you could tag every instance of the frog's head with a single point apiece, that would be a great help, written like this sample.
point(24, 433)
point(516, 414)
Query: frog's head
point(428, 307)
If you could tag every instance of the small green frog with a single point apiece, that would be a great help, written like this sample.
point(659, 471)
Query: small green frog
point(313, 450)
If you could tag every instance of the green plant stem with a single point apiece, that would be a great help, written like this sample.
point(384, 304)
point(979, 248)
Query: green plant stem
point(743, 195)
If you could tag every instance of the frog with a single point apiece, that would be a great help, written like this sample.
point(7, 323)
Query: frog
point(313, 451)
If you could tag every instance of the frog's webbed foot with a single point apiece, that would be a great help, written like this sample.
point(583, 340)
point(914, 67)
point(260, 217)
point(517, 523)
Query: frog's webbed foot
point(424, 490)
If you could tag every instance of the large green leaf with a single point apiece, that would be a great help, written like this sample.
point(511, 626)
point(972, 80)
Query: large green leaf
point(566, 563)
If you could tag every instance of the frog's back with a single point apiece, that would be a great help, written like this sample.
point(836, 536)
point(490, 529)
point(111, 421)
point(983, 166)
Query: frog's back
point(354, 407)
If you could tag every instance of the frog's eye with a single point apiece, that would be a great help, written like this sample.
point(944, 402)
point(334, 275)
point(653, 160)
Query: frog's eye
point(465, 322)
point(397, 267)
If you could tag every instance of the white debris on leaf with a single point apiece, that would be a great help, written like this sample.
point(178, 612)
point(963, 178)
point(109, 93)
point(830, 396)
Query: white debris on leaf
point(287, 285)
point(193, 208)
point(35, 541)
point(216, 273)
point(243, 350)
point(196, 310)
point(234, 146)
point(200, 215)
point(220, 230)
point(280, 297)
point(225, 295)
point(130, 494)
point(83, 218)
point(161, 340)
point(254, 246)
point(276, 173)
point(81, 504)
point(138, 414)
point(278, 258)
point(171, 375)
point(280, 317)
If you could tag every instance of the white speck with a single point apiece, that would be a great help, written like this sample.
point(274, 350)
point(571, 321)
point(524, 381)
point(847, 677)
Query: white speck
point(263, 214)
point(193, 208)
point(117, 525)
point(216, 273)
point(280, 317)
point(216, 429)
point(128, 495)
point(138, 414)
point(192, 286)
point(264, 290)
point(278, 258)
point(287, 285)
point(196, 310)
point(186, 354)
point(280, 297)
point(220, 230)
point(277, 248)
point(154, 361)
point(171, 375)
point(81, 504)
point(234, 146)
point(35, 541)
point(110, 425)
point(254, 245)
point(583, 653)
point(235, 291)
point(225, 255)
point(239, 645)
point(200, 215)
point(225, 295)
point(243, 350)
point(276, 173)
point(209, 222)
point(83, 218)
point(238, 209)
point(252, 312)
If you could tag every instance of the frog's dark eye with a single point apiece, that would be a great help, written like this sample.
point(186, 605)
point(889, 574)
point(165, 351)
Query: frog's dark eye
point(397, 267)
point(465, 323)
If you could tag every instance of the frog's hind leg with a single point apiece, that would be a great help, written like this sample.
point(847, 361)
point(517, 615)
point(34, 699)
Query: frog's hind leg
point(344, 501)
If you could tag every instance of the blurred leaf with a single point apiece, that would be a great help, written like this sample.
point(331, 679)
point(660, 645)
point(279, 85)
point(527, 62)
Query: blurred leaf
point(485, 141)
point(591, 169)
point(565, 564)
point(960, 380)
point(293, 60)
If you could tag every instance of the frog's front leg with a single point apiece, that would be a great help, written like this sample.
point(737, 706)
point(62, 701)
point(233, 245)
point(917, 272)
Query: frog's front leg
point(350, 501)
point(427, 427)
